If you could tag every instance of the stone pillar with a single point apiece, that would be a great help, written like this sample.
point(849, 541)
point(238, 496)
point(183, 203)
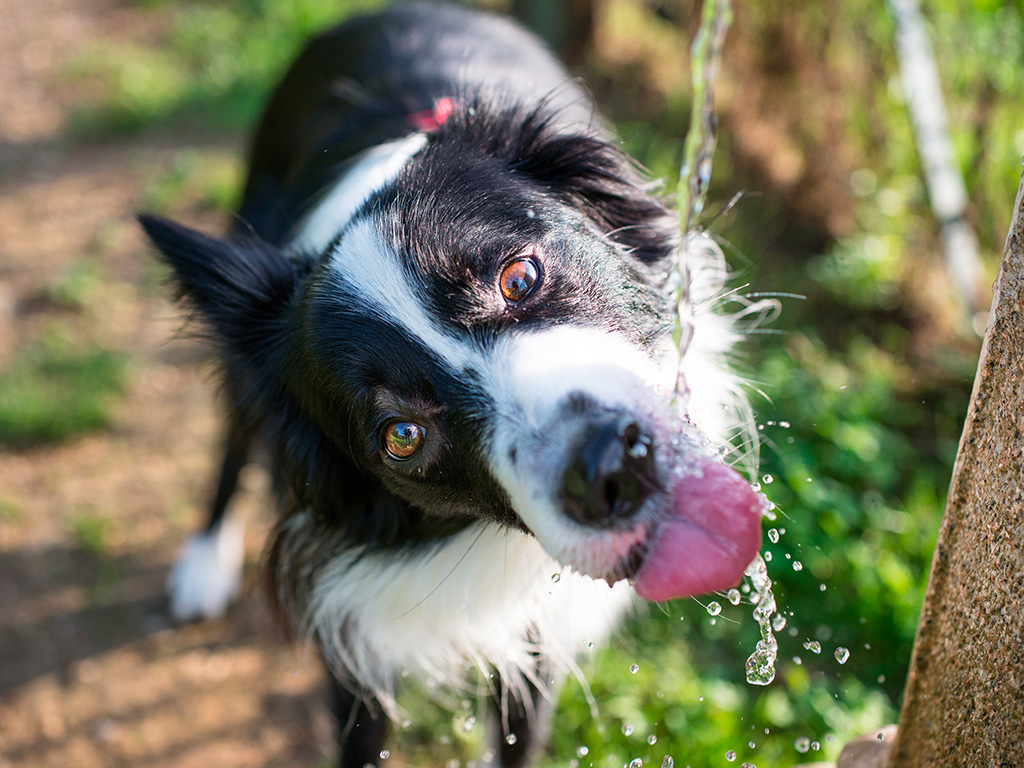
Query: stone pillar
point(964, 700)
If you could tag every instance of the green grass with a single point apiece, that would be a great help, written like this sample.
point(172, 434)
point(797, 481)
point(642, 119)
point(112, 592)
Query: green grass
point(210, 70)
point(210, 177)
point(55, 390)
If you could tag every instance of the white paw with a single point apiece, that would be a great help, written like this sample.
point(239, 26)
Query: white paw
point(208, 573)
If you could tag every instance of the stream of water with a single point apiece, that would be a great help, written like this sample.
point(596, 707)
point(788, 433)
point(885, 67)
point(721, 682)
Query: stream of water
point(694, 179)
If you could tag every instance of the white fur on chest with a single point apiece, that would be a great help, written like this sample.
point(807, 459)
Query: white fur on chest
point(488, 597)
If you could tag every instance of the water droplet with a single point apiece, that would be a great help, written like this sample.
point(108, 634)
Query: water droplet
point(590, 645)
point(784, 424)
point(582, 751)
point(760, 666)
point(384, 754)
point(822, 587)
point(668, 762)
point(734, 596)
point(815, 746)
point(813, 646)
point(767, 557)
point(468, 723)
point(842, 654)
point(798, 661)
point(830, 738)
point(634, 668)
point(797, 565)
point(652, 739)
point(714, 608)
point(752, 744)
point(778, 622)
point(767, 479)
point(636, 762)
point(627, 729)
point(773, 535)
point(730, 756)
point(748, 765)
point(880, 736)
point(802, 744)
point(511, 739)
point(555, 577)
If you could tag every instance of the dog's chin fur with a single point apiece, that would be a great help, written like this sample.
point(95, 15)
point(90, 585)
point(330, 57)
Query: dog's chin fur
point(489, 598)
point(361, 288)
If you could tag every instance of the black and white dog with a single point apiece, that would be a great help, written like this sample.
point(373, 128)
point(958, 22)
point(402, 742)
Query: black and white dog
point(444, 314)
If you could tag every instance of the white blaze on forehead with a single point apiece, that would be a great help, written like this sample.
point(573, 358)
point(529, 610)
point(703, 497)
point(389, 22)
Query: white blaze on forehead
point(372, 272)
point(543, 367)
point(369, 174)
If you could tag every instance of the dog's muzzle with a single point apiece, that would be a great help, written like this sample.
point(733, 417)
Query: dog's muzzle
point(610, 474)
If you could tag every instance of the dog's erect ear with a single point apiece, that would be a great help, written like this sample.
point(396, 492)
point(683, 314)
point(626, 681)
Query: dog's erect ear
point(240, 286)
point(602, 181)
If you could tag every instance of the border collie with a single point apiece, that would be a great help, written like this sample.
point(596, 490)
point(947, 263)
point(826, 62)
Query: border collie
point(443, 313)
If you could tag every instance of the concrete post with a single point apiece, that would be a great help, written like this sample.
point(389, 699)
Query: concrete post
point(964, 699)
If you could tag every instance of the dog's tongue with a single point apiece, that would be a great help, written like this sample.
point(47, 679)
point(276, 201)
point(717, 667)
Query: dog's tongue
point(712, 535)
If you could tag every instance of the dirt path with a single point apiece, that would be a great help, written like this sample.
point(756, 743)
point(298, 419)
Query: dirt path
point(91, 671)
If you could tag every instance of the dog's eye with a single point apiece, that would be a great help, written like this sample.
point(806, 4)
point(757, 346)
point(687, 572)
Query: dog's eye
point(518, 278)
point(403, 439)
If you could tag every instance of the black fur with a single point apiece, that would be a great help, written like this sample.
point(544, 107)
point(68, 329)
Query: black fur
point(521, 163)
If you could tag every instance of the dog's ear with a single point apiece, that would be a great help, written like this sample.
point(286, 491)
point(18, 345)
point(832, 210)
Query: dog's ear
point(241, 287)
point(604, 183)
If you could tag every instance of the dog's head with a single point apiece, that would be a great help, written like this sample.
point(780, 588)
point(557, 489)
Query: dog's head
point(487, 335)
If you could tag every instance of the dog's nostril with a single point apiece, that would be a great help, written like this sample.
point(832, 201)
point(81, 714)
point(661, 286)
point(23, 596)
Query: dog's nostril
point(611, 492)
point(631, 435)
point(610, 475)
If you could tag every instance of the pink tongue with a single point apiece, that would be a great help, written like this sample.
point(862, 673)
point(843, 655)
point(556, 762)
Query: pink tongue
point(711, 537)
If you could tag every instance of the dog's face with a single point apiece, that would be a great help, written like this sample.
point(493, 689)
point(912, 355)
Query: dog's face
point(485, 337)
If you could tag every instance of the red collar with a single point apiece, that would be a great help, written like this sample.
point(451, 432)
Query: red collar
point(429, 120)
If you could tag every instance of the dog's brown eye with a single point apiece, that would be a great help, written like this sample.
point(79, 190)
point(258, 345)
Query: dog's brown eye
point(403, 439)
point(518, 279)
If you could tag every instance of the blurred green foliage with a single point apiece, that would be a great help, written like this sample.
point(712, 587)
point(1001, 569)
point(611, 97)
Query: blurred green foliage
point(58, 388)
point(866, 381)
point(210, 67)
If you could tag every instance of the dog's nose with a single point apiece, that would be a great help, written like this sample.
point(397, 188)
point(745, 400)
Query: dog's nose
point(611, 473)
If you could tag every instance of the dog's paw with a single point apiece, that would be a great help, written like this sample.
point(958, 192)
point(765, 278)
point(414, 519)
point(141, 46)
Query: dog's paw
point(208, 573)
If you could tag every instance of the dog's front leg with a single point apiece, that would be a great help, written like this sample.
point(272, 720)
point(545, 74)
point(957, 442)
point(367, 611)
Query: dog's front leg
point(523, 720)
point(362, 725)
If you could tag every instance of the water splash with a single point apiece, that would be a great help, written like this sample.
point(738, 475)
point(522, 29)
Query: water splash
point(761, 663)
point(695, 173)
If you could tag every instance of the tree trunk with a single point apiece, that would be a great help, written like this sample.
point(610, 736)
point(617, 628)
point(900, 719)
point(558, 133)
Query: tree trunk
point(964, 700)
